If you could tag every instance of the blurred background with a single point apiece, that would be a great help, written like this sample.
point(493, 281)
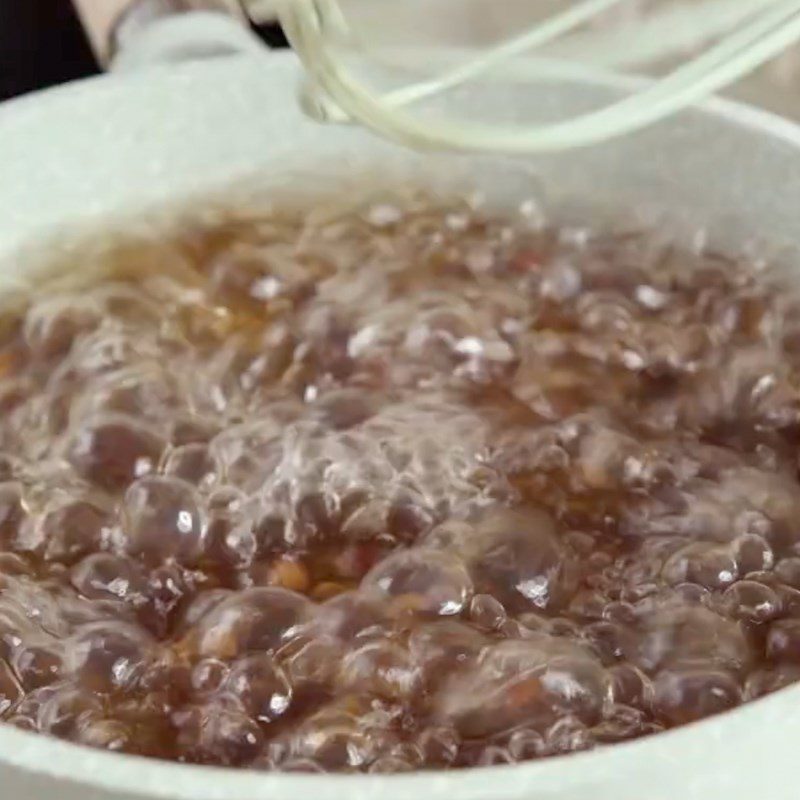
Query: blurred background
point(42, 42)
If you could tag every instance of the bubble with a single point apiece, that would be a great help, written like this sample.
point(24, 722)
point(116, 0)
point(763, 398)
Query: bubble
point(73, 530)
point(408, 519)
point(787, 570)
point(773, 494)
point(124, 301)
point(314, 663)
point(766, 680)
point(752, 554)
point(62, 710)
point(387, 765)
point(252, 279)
point(254, 620)
point(686, 695)
point(439, 745)
point(146, 392)
point(165, 679)
point(152, 735)
point(248, 453)
point(326, 590)
point(561, 282)
point(345, 408)
point(13, 623)
point(450, 535)
point(209, 675)
point(607, 639)
point(12, 515)
point(10, 690)
point(161, 520)
point(193, 463)
point(423, 581)
point(487, 612)
point(789, 597)
point(348, 616)
point(602, 457)
point(315, 516)
point(630, 686)
point(113, 450)
point(752, 602)
point(37, 665)
point(354, 561)
point(201, 605)
point(588, 604)
point(619, 724)
point(109, 655)
point(289, 574)
point(568, 735)
point(563, 627)
point(343, 735)
point(14, 565)
point(23, 723)
point(15, 395)
point(532, 682)
point(226, 500)
point(581, 542)
point(220, 734)
point(671, 634)
point(711, 566)
point(229, 542)
point(301, 765)
point(783, 640)
point(380, 668)
point(52, 325)
point(491, 756)
point(693, 593)
point(103, 576)
point(441, 647)
point(517, 559)
point(261, 686)
point(526, 744)
point(167, 588)
point(106, 734)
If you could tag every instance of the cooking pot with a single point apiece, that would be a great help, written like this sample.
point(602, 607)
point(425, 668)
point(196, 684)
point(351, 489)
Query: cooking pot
point(158, 132)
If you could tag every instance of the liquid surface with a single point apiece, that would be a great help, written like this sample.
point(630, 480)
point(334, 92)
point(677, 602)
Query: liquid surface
point(405, 488)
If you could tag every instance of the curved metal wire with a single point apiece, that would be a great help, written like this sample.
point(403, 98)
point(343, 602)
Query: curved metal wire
point(756, 30)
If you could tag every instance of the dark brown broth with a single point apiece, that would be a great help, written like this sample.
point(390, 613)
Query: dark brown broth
point(410, 488)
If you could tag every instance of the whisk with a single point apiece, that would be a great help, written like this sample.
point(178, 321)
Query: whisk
point(746, 34)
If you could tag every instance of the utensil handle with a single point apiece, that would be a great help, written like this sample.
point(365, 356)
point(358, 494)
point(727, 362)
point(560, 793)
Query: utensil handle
point(127, 34)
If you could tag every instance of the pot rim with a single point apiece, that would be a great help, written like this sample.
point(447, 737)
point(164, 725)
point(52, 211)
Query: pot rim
point(132, 776)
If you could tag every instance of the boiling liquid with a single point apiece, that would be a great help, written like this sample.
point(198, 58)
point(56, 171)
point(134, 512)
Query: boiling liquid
point(410, 487)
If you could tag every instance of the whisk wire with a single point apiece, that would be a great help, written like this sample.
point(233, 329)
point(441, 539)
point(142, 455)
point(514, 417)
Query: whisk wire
point(306, 22)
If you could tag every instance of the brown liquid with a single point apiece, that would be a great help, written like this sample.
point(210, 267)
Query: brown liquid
point(413, 488)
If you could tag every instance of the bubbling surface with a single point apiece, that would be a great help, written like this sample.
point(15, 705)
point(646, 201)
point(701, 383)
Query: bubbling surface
point(413, 486)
